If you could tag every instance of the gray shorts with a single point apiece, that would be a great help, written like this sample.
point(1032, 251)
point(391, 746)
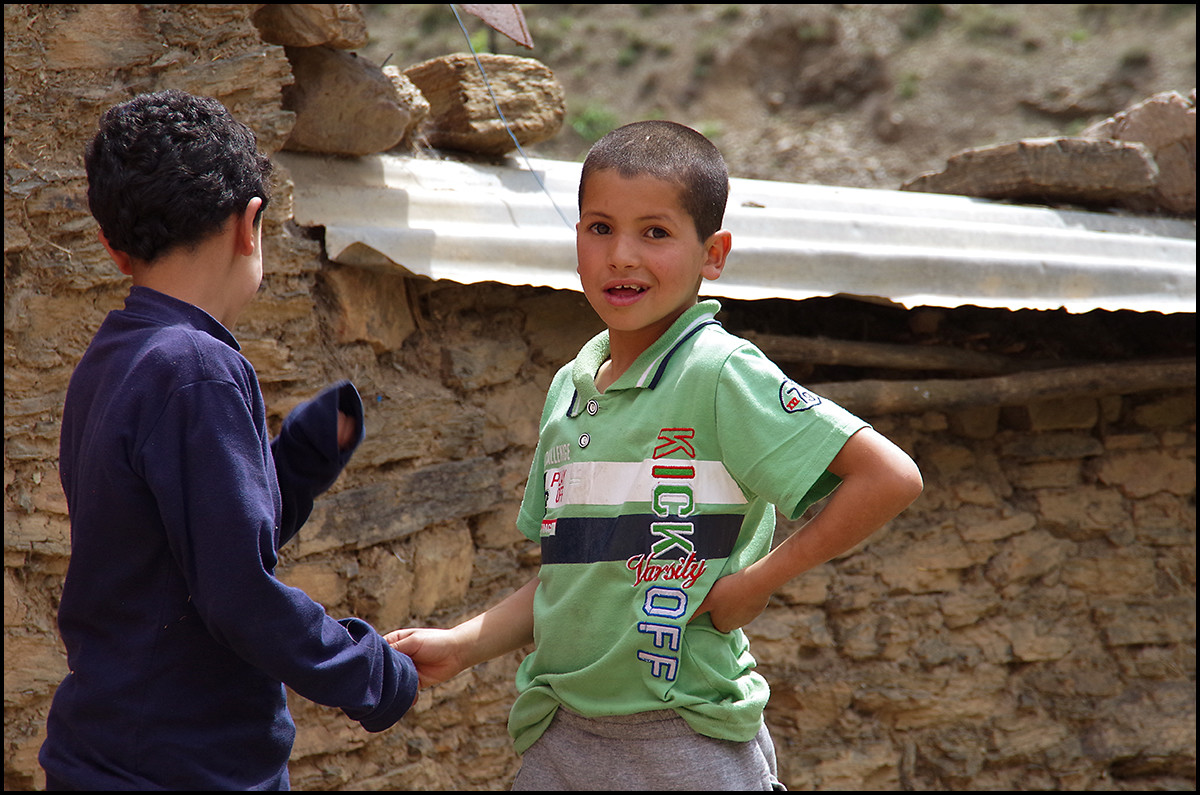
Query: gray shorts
point(647, 751)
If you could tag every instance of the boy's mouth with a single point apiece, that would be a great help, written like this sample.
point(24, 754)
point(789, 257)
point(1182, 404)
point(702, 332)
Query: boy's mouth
point(622, 294)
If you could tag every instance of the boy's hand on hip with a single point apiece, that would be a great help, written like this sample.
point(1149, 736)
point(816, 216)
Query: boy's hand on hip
point(734, 601)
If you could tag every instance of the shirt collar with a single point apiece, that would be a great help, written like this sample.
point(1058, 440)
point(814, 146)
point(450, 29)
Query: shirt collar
point(648, 368)
point(167, 309)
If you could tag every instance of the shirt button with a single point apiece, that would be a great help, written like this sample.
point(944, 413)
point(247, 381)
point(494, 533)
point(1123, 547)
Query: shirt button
point(592, 407)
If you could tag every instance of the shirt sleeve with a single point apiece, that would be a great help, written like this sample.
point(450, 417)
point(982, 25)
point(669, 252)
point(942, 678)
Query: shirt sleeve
point(533, 502)
point(210, 467)
point(782, 436)
point(307, 458)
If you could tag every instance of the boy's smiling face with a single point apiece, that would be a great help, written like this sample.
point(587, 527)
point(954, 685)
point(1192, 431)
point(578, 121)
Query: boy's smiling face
point(640, 260)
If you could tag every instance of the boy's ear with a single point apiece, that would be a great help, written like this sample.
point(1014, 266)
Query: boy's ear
point(716, 249)
point(247, 229)
point(123, 260)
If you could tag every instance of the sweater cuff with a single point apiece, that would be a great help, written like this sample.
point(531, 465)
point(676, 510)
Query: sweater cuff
point(398, 690)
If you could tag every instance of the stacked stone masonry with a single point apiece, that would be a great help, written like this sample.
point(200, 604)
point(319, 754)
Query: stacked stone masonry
point(1028, 624)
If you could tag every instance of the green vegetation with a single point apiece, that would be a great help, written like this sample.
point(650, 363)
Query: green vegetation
point(481, 40)
point(923, 20)
point(593, 122)
point(706, 58)
point(631, 53)
point(712, 130)
point(988, 22)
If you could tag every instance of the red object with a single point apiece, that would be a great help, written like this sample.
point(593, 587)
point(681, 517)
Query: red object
point(507, 18)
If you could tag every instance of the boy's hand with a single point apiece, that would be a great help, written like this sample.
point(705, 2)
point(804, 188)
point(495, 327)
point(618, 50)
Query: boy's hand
point(433, 651)
point(734, 601)
point(442, 653)
point(347, 429)
point(879, 480)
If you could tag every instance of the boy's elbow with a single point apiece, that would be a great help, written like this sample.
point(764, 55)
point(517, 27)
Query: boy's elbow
point(908, 484)
point(894, 478)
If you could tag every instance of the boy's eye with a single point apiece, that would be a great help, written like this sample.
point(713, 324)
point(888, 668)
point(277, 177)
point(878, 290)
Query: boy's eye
point(657, 232)
point(600, 228)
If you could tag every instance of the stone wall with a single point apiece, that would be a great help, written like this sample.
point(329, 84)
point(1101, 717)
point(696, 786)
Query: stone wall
point(1027, 624)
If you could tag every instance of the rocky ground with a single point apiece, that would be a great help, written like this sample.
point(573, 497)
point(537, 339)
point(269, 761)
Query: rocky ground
point(858, 95)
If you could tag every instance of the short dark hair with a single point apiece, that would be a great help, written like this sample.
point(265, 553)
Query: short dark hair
point(168, 169)
point(671, 152)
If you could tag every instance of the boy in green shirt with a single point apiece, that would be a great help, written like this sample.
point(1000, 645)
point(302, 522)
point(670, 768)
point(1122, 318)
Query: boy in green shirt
point(665, 449)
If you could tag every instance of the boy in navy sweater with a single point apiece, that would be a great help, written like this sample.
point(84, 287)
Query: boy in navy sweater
point(179, 636)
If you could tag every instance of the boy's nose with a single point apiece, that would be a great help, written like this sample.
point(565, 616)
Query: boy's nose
point(623, 253)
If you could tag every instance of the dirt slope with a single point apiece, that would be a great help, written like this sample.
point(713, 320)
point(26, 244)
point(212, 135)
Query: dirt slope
point(863, 95)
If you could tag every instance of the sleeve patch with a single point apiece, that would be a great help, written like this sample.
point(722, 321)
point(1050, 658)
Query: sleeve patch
point(794, 397)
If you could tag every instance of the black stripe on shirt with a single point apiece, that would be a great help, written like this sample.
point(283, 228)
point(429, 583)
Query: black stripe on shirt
point(590, 540)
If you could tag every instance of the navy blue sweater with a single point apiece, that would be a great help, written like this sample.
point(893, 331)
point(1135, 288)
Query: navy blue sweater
point(179, 637)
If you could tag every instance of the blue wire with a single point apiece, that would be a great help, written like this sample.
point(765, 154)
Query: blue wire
point(507, 127)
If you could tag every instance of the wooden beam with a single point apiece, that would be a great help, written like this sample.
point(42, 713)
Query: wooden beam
point(822, 350)
point(874, 397)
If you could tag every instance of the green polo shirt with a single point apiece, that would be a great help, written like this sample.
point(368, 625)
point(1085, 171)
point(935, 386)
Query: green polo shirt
point(641, 498)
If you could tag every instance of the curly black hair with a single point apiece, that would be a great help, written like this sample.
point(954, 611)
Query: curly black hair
point(168, 169)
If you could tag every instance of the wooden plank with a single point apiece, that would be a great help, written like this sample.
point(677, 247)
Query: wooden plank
point(875, 397)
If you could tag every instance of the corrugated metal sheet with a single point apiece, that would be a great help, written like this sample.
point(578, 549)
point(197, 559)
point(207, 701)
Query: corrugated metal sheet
point(473, 223)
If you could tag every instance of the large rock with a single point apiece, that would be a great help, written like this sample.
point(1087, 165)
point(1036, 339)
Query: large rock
point(103, 36)
point(1071, 170)
point(463, 115)
point(1142, 159)
point(344, 105)
point(370, 306)
point(337, 25)
point(1166, 124)
point(411, 99)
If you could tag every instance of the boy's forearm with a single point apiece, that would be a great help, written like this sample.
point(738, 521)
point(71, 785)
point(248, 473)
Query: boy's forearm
point(878, 482)
point(505, 627)
point(839, 527)
point(441, 654)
